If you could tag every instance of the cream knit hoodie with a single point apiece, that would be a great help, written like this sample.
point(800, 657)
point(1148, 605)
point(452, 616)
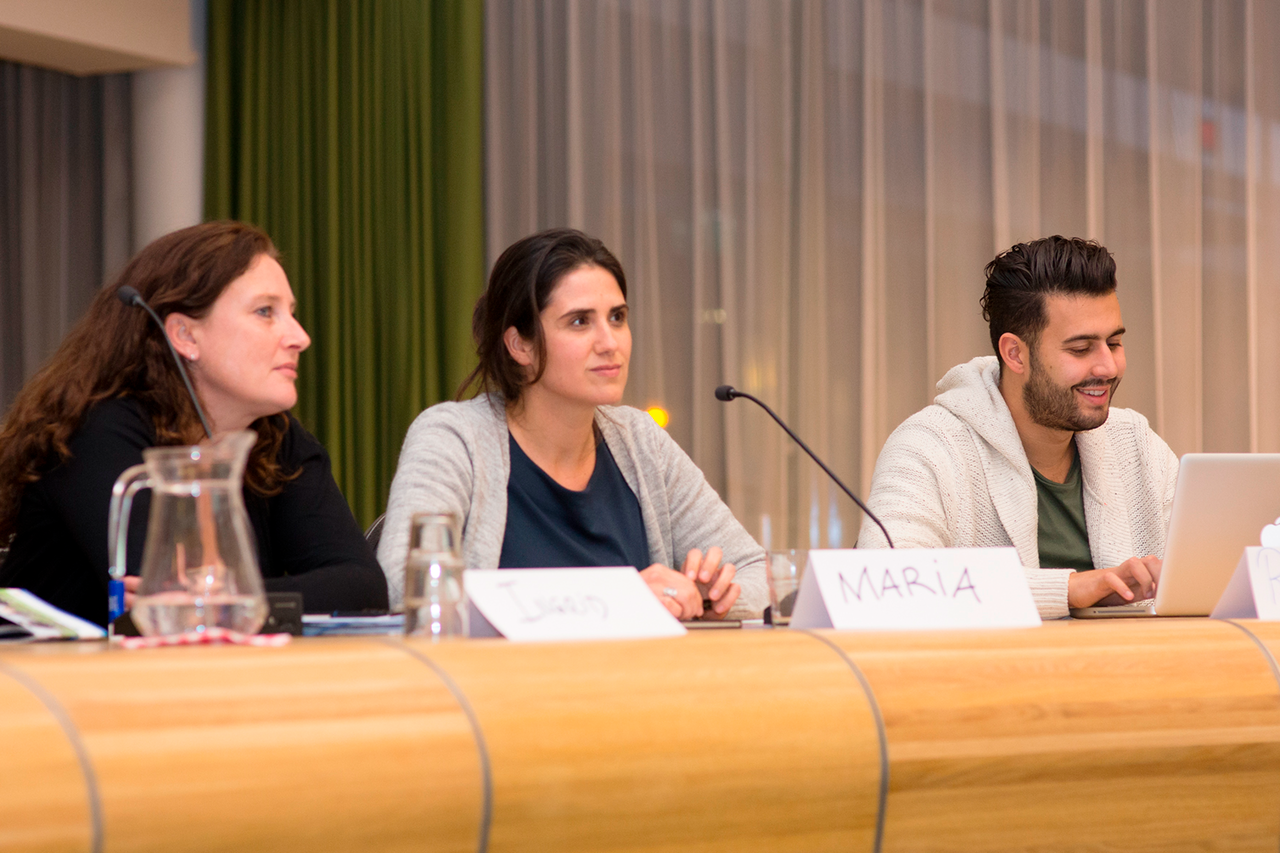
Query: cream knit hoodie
point(955, 475)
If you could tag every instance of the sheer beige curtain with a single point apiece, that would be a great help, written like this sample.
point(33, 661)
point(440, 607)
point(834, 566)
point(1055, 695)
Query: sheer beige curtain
point(804, 195)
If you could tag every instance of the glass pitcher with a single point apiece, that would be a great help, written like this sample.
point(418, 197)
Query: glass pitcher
point(199, 563)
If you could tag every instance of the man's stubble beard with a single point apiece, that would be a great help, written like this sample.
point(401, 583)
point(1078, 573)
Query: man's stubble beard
point(1055, 406)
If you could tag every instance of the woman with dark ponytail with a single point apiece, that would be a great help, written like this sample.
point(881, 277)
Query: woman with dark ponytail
point(544, 468)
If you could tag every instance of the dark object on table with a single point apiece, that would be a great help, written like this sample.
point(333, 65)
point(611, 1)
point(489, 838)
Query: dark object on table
point(124, 627)
point(284, 614)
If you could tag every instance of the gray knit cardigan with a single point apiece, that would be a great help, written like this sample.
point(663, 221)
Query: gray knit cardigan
point(456, 459)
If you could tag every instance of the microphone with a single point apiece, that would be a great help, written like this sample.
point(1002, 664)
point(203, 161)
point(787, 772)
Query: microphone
point(131, 297)
point(725, 393)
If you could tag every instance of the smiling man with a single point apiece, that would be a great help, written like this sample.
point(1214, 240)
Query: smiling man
point(1024, 448)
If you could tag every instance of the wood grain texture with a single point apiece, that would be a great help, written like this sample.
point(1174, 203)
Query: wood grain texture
point(1152, 735)
point(44, 805)
point(337, 745)
point(1160, 735)
point(724, 740)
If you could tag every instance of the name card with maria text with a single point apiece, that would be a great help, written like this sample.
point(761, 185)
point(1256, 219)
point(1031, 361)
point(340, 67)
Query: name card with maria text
point(914, 589)
point(569, 604)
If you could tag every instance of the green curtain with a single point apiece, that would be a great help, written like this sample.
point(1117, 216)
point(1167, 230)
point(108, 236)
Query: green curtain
point(352, 133)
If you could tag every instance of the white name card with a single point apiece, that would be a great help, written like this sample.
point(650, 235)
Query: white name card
point(569, 604)
point(914, 589)
point(1254, 588)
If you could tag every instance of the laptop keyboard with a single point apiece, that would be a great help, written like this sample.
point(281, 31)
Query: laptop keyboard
point(1141, 604)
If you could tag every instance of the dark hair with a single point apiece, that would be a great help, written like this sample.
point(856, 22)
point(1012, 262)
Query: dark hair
point(520, 286)
point(1018, 281)
point(116, 350)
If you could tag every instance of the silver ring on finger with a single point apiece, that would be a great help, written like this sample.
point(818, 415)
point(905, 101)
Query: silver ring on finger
point(671, 592)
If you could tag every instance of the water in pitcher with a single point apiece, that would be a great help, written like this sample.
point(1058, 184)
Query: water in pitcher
point(180, 612)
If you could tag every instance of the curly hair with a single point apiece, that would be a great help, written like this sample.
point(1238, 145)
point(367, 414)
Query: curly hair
point(116, 351)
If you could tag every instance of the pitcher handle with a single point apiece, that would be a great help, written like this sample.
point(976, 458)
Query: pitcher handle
point(126, 486)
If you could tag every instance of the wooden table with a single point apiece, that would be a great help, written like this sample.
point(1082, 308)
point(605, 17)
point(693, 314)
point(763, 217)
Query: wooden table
point(1155, 735)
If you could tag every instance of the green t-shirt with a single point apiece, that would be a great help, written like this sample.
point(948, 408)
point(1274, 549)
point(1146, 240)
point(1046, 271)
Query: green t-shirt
point(1064, 538)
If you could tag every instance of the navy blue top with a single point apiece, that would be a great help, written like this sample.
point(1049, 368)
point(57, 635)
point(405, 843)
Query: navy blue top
point(549, 526)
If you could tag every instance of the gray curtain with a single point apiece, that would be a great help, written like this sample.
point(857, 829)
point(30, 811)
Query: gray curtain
point(65, 207)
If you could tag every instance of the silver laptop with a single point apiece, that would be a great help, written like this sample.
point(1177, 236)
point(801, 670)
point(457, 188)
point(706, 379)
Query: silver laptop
point(1221, 504)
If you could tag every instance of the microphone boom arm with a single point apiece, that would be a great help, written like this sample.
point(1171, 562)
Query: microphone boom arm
point(132, 298)
point(728, 392)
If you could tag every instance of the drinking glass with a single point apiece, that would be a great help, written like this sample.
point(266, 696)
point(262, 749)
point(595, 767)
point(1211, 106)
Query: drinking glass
point(435, 602)
point(784, 569)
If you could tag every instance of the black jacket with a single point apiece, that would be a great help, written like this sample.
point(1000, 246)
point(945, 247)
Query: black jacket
point(308, 540)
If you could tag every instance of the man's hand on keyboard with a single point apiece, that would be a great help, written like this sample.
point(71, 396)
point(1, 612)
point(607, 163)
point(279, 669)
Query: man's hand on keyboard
point(1133, 579)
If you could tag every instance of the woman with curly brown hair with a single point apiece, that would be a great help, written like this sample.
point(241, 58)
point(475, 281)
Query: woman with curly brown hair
point(112, 389)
